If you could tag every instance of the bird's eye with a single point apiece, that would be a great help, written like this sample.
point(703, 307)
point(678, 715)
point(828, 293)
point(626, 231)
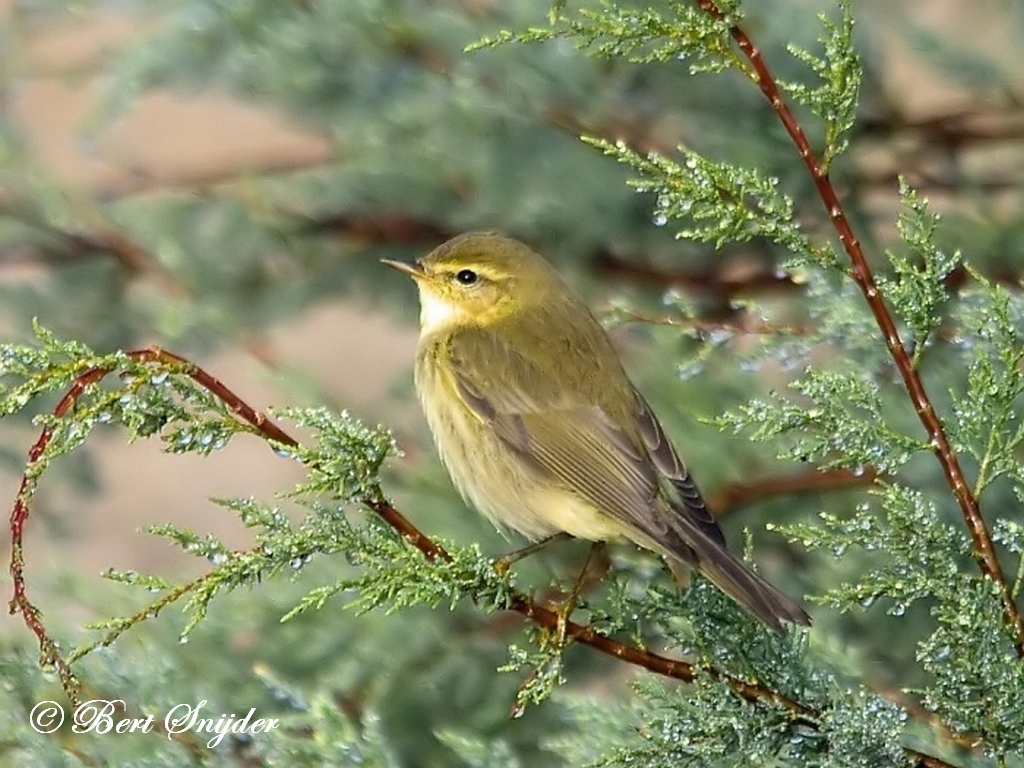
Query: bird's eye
point(466, 276)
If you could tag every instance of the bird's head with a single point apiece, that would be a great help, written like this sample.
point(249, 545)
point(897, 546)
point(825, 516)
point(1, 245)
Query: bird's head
point(478, 279)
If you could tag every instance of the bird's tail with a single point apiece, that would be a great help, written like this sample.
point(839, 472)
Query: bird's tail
point(736, 579)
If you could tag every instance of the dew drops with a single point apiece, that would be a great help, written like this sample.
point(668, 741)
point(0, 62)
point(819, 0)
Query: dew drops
point(689, 369)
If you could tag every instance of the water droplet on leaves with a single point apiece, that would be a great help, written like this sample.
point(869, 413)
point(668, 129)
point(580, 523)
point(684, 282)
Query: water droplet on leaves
point(690, 369)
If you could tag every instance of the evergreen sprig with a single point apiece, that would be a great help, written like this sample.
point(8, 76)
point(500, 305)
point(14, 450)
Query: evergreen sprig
point(724, 203)
point(640, 35)
point(839, 72)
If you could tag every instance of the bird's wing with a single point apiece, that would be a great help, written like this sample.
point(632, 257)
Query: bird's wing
point(686, 499)
point(559, 429)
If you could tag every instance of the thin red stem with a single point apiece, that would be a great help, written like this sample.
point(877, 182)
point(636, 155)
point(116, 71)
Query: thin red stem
point(985, 554)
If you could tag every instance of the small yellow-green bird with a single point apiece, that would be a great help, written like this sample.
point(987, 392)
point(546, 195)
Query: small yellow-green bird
point(539, 426)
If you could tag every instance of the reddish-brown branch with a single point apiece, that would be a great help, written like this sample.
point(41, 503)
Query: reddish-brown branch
point(985, 554)
point(20, 602)
point(740, 494)
point(615, 266)
point(48, 651)
point(587, 635)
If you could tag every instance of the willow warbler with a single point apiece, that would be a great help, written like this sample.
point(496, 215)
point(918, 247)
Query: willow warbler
point(539, 426)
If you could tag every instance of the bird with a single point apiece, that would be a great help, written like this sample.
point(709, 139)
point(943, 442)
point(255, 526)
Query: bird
point(539, 426)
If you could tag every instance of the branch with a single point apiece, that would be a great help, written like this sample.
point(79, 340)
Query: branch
point(984, 554)
point(723, 285)
point(751, 691)
point(738, 324)
point(739, 494)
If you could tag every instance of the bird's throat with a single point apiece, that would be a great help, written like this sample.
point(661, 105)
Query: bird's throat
point(436, 313)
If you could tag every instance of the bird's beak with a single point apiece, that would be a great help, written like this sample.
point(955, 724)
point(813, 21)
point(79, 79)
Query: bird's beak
point(412, 270)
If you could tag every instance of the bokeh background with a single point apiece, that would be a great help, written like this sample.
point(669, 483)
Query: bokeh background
point(221, 178)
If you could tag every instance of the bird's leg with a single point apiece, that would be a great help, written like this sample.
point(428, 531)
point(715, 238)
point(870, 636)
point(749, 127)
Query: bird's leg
point(567, 606)
point(503, 563)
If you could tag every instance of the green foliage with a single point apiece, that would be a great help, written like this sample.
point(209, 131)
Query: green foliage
point(726, 204)
point(985, 411)
point(834, 102)
point(917, 292)
point(842, 428)
point(640, 35)
point(911, 638)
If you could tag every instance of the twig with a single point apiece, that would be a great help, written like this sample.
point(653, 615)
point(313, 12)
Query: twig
point(741, 324)
point(611, 264)
point(740, 494)
point(984, 554)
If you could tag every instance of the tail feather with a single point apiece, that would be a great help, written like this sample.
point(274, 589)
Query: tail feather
point(756, 595)
point(734, 577)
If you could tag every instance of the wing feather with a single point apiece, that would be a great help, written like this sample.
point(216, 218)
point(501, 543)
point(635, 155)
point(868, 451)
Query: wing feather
point(558, 430)
point(687, 500)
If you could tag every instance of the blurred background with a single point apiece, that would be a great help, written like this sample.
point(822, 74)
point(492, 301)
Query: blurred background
point(221, 178)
